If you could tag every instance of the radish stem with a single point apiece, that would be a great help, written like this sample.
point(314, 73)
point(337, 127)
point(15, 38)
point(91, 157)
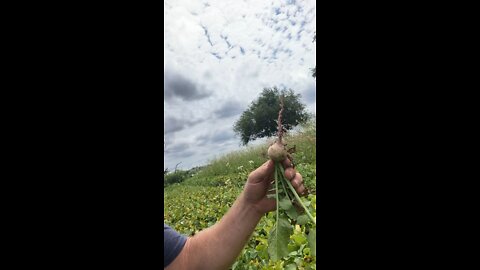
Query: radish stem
point(278, 167)
point(276, 191)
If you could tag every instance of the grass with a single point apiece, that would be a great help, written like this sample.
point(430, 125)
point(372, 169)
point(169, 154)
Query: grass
point(252, 157)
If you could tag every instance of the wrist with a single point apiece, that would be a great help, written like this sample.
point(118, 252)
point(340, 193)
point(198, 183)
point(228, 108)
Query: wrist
point(252, 209)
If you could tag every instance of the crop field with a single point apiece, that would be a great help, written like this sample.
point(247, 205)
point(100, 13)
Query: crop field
point(203, 197)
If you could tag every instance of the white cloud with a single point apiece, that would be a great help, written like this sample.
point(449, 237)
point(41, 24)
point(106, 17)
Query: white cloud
point(251, 40)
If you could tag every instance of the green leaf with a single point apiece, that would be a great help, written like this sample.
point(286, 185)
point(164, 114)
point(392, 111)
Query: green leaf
point(262, 251)
point(285, 203)
point(299, 239)
point(291, 266)
point(302, 220)
point(253, 254)
point(292, 247)
point(292, 213)
point(279, 265)
point(279, 238)
point(300, 250)
point(312, 243)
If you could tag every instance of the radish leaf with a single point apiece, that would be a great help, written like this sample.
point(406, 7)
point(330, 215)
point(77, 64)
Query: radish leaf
point(279, 238)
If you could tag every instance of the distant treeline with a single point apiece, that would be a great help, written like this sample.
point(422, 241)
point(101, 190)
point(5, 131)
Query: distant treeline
point(178, 175)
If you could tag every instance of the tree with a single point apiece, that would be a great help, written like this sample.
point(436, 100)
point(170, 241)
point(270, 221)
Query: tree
point(259, 120)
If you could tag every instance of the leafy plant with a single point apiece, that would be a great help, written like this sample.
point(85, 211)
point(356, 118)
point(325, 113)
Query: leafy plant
point(175, 177)
point(285, 197)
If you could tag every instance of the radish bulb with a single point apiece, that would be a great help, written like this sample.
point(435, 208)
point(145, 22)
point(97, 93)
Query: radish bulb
point(277, 152)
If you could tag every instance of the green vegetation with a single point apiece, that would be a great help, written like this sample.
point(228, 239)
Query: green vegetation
point(199, 201)
point(174, 177)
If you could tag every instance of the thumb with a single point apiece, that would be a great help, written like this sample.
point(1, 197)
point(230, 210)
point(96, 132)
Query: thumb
point(262, 172)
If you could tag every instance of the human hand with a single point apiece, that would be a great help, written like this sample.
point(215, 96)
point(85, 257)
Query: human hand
point(260, 180)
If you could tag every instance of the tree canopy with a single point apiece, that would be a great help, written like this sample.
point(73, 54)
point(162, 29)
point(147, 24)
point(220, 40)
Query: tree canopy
point(260, 119)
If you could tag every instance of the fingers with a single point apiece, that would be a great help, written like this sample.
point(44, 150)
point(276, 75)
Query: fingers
point(263, 172)
point(289, 170)
point(290, 173)
point(297, 182)
point(287, 163)
point(296, 179)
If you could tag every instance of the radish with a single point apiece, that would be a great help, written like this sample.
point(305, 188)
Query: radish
point(285, 197)
point(277, 152)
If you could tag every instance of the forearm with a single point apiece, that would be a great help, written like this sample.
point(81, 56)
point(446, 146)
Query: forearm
point(218, 246)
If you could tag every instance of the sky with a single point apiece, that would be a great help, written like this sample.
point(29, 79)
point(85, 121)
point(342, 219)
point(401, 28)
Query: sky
point(219, 56)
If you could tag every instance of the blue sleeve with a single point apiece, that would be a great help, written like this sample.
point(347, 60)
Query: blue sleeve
point(172, 245)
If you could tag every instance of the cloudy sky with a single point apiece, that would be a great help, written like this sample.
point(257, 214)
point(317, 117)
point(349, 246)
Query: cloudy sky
point(219, 55)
